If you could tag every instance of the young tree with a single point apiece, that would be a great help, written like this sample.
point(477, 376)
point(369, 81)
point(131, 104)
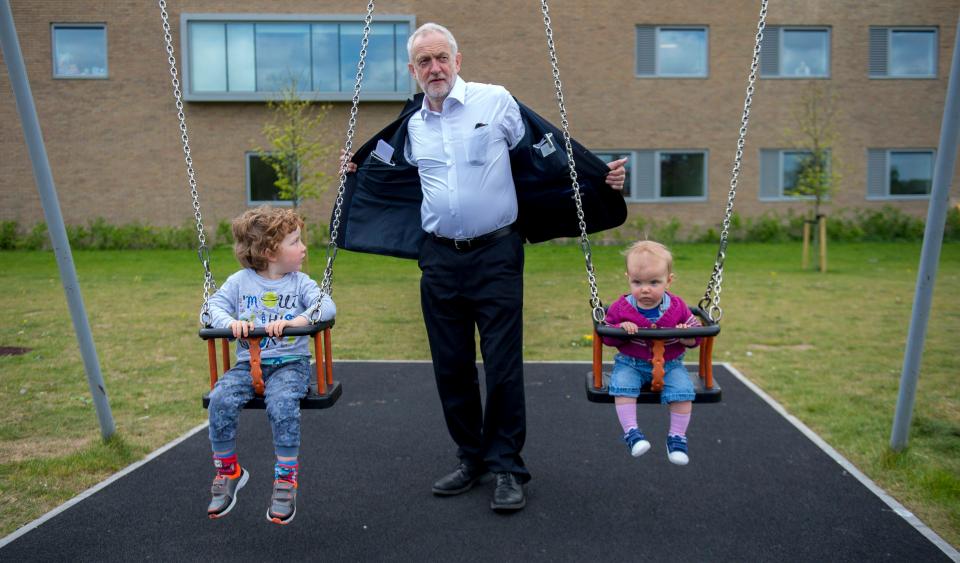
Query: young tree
point(297, 151)
point(815, 134)
point(817, 174)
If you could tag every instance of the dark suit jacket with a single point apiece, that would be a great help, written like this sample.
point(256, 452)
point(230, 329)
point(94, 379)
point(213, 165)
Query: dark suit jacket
point(381, 203)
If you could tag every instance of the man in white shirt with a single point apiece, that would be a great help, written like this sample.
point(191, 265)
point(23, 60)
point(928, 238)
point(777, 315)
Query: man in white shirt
point(472, 262)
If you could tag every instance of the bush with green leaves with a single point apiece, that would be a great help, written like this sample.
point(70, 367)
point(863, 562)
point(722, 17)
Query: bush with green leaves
point(887, 224)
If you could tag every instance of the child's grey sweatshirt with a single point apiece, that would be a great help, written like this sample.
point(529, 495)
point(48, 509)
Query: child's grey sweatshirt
point(248, 296)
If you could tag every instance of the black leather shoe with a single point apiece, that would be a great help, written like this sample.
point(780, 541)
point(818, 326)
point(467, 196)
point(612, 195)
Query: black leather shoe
point(508, 496)
point(463, 478)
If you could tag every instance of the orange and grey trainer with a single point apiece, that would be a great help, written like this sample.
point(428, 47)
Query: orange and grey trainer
point(224, 493)
point(283, 503)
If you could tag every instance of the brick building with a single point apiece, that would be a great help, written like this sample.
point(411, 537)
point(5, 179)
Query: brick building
point(661, 82)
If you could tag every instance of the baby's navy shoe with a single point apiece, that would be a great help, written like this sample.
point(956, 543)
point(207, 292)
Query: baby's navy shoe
point(636, 442)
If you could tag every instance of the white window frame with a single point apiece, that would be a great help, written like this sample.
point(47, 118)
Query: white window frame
point(248, 156)
point(656, 51)
point(81, 25)
point(189, 95)
point(889, 47)
point(886, 177)
point(780, 38)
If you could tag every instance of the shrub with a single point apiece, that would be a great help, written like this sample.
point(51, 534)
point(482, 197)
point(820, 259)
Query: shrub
point(224, 233)
point(890, 224)
point(951, 231)
point(35, 239)
point(766, 228)
point(8, 235)
point(886, 224)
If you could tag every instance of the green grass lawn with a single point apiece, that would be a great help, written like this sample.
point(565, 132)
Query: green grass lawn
point(829, 347)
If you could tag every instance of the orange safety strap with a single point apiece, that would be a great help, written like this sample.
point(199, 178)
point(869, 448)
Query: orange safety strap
point(657, 361)
point(255, 369)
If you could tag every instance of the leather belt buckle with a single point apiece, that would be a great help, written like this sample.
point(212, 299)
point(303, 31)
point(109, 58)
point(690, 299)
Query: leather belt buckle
point(462, 244)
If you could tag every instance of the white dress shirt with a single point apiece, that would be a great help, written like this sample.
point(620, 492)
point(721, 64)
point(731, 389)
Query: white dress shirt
point(461, 154)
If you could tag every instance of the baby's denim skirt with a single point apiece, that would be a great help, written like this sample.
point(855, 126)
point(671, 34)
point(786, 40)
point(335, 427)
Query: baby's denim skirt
point(630, 374)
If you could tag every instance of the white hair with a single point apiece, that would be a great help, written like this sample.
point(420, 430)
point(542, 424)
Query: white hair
point(431, 27)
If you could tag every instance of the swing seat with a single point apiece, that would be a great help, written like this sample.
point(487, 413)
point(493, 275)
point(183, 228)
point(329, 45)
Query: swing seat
point(707, 390)
point(323, 391)
point(648, 396)
point(313, 400)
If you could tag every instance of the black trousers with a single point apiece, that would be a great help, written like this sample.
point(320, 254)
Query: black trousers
point(481, 288)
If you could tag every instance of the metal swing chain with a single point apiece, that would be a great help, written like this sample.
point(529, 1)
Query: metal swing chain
point(595, 304)
point(203, 252)
point(326, 284)
point(710, 303)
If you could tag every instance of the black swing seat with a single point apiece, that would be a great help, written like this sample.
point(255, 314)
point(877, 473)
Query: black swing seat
point(314, 398)
point(647, 396)
point(713, 394)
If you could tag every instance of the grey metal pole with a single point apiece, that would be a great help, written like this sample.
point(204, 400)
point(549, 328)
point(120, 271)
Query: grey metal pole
point(51, 211)
point(930, 254)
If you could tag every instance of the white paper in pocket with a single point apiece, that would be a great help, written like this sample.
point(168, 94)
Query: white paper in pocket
point(383, 152)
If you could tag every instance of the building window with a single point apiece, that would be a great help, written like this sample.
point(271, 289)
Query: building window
point(795, 52)
point(674, 52)
point(903, 52)
point(899, 173)
point(253, 57)
point(79, 50)
point(665, 175)
point(261, 182)
point(780, 172)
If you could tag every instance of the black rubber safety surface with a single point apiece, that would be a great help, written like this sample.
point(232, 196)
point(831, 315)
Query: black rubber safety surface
point(756, 489)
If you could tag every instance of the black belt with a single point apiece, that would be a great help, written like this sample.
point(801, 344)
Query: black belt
point(465, 244)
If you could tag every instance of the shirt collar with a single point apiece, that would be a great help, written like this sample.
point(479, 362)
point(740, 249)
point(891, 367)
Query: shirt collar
point(458, 93)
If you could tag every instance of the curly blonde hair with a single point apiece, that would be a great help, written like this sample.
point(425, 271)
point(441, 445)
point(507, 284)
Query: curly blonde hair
point(259, 231)
point(650, 247)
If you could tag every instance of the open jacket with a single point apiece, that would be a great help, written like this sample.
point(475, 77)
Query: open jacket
point(380, 213)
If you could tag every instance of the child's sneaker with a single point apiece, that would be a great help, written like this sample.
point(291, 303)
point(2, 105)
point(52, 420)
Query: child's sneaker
point(636, 442)
point(677, 449)
point(283, 503)
point(224, 493)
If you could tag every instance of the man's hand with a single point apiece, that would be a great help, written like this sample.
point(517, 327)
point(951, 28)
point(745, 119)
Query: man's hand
point(617, 173)
point(345, 156)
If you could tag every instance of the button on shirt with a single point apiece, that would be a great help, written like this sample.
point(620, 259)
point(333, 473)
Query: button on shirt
point(461, 154)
